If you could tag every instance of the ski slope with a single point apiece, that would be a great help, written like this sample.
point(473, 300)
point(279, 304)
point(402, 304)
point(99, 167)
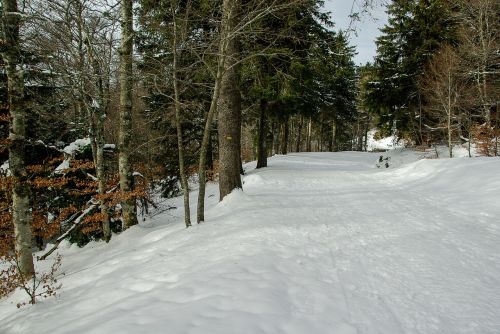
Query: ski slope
point(316, 243)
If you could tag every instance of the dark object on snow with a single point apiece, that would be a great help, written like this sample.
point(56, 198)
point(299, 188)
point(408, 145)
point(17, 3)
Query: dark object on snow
point(381, 160)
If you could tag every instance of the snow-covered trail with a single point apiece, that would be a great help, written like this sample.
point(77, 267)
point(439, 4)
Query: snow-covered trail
point(316, 243)
point(406, 254)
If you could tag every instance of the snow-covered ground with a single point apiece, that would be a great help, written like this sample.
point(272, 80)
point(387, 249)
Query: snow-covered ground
point(387, 143)
point(316, 243)
point(392, 143)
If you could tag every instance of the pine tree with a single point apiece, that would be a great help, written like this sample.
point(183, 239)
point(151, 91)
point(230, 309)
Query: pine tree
point(415, 30)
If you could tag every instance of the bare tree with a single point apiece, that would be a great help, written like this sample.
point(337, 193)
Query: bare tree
point(79, 43)
point(17, 136)
point(97, 41)
point(180, 34)
point(442, 85)
point(479, 46)
point(129, 214)
point(221, 61)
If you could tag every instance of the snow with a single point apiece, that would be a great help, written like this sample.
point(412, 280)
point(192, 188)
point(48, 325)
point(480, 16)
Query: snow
point(386, 143)
point(70, 151)
point(95, 104)
point(76, 146)
point(316, 243)
point(5, 168)
point(50, 217)
point(62, 167)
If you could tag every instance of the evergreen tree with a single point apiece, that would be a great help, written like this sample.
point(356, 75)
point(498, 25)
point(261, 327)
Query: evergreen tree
point(195, 71)
point(415, 31)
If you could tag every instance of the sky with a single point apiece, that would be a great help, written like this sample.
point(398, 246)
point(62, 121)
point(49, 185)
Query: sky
point(366, 28)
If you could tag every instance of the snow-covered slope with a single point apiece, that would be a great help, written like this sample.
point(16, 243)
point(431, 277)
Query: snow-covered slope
point(316, 243)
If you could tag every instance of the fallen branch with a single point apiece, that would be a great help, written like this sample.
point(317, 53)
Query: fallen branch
point(76, 222)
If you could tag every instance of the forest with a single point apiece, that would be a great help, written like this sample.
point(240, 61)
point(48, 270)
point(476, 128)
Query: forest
point(108, 107)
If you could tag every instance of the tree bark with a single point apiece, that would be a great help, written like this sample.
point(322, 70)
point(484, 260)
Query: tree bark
point(21, 213)
point(262, 136)
point(129, 210)
point(229, 106)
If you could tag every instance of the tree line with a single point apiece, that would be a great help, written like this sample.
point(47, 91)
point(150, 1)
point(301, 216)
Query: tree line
point(107, 102)
point(435, 76)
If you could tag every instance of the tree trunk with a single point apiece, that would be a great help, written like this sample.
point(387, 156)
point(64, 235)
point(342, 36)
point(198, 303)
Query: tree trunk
point(333, 141)
point(178, 124)
point(101, 178)
point(276, 137)
point(469, 144)
point(360, 136)
point(420, 134)
point(262, 135)
point(21, 213)
point(309, 136)
point(299, 137)
point(97, 116)
point(129, 211)
point(482, 30)
point(221, 63)
point(330, 141)
point(367, 125)
point(286, 135)
point(210, 154)
point(202, 169)
point(496, 133)
point(450, 147)
point(320, 138)
point(229, 106)
point(242, 171)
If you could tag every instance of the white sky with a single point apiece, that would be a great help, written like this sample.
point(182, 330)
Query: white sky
point(367, 28)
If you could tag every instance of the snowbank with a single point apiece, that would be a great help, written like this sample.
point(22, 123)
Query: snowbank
point(387, 143)
point(76, 146)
